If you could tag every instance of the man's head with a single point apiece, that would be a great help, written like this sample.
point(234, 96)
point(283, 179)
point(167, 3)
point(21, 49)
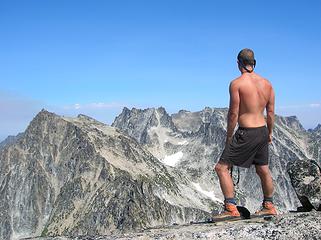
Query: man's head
point(246, 60)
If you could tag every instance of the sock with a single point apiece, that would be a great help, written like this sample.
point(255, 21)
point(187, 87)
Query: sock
point(230, 200)
point(268, 199)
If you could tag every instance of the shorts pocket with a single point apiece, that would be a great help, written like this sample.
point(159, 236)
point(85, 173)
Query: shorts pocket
point(240, 135)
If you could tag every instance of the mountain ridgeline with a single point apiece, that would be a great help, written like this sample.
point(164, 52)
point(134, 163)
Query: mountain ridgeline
point(193, 142)
point(77, 176)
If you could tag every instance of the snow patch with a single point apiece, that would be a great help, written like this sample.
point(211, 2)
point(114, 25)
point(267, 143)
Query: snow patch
point(171, 160)
point(211, 194)
point(307, 180)
point(182, 142)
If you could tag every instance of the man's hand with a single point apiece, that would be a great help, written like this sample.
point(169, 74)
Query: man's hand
point(270, 114)
point(270, 138)
point(228, 140)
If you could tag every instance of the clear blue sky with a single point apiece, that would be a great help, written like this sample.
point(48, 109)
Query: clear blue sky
point(95, 57)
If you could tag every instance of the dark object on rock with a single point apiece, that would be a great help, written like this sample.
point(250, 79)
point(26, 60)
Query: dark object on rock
point(307, 208)
point(245, 213)
point(305, 177)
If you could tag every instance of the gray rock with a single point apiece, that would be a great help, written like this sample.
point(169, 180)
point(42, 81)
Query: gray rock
point(317, 129)
point(315, 143)
point(306, 180)
point(147, 118)
point(288, 226)
point(10, 140)
point(77, 176)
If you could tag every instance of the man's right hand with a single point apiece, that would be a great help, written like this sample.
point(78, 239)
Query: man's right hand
point(228, 140)
point(270, 138)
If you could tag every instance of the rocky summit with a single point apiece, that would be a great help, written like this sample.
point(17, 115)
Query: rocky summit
point(294, 226)
point(79, 177)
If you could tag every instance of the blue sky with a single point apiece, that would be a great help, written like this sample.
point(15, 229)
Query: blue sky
point(95, 57)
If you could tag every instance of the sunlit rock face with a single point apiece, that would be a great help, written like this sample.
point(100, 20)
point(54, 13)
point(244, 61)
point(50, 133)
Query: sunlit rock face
point(77, 176)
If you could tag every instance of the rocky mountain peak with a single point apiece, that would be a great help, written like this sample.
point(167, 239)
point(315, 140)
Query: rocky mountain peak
point(200, 122)
point(137, 122)
point(78, 176)
point(43, 116)
point(43, 124)
point(291, 122)
point(10, 140)
point(317, 129)
point(86, 118)
point(165, 119)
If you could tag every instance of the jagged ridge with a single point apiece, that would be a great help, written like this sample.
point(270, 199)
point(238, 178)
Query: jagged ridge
point(75, 176)
point(202, 134)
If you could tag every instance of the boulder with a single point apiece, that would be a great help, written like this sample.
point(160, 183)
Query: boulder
point(305, 177)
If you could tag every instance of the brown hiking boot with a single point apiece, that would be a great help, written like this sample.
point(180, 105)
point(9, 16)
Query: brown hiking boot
point(267, 209)
point(230, 213)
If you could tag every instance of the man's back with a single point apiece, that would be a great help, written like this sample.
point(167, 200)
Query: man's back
point(254, 95)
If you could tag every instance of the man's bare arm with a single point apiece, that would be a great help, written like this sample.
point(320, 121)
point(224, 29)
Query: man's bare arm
point(233, 111)
point(270, 114)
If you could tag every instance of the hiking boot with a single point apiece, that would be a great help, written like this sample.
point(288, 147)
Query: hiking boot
point(230, 213)
point(267, 209)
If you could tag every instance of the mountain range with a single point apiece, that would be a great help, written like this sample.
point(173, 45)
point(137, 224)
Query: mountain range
point(77, 176)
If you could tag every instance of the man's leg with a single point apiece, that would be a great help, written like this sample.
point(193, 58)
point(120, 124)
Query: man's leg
point(223, 171)
point(268, 188)
point(226, 182)
point(266, 180)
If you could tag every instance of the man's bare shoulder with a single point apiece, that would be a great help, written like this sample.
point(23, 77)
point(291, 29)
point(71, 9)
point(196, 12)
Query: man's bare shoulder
point(235, 82)
point(265, 80)
point(268, 85)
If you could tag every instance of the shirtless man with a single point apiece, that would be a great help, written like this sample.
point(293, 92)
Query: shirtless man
point(250, 94)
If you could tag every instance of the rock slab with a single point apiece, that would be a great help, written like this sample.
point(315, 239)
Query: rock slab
point(305, 177)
